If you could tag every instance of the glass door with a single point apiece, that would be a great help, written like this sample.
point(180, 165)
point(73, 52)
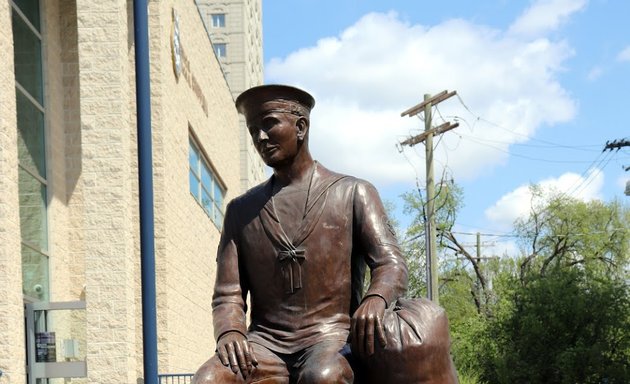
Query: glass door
point(55, 340)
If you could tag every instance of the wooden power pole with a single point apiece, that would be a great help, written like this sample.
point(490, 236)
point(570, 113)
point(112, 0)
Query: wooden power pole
point(618, 144)
point(427, 137)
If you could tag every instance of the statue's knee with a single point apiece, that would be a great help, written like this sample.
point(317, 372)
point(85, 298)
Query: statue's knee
point(211, 372)
point(327, 374)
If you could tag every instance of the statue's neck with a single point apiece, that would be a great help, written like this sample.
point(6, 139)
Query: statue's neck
point(298, 172)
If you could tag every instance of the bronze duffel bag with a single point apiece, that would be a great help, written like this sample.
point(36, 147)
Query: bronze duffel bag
point(418, 346)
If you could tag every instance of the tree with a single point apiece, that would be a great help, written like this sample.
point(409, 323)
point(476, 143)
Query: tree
point(464, 277)
point(565, 327)
point(557, 313)
point(461, 293)
point(563, 231)
point(448, 201)
point(564, 316)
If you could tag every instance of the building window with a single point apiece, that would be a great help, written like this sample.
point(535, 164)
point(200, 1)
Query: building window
point(218, 20)
point(32, 182)
point(204, 185)
point(220, 49)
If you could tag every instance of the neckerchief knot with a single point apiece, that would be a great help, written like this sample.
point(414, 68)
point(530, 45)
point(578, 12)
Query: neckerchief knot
point(291, 268)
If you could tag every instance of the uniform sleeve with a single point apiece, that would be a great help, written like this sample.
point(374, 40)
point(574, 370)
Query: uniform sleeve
point(379, 245)
point(228, 303)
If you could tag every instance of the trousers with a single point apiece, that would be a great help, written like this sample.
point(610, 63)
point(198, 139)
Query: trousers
point(323, 363)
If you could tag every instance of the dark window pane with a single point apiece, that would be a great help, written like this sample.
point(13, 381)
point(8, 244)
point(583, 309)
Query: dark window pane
point(34, 274)
point(33, 223)
point(27, 59)
point(30, 122)
point(30, 9)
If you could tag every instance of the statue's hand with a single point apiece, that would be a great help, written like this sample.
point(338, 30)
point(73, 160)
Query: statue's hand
point(368, 320)
point(234, 351)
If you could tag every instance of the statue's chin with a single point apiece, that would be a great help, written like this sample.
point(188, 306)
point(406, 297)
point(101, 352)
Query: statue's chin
point(274, 162)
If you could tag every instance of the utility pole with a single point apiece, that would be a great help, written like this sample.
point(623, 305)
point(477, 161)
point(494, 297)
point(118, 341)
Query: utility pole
point(478, 247)
point(427, 137)
point(618, 144)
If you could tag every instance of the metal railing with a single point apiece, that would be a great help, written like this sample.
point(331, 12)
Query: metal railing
point(175, 378)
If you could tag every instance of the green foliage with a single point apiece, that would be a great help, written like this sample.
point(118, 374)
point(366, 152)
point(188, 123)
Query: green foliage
point(469, 377)
point(562, 231)
point(567, 326)
point(455, 293)
point(466, 345)
point(448, 201)
point(557, 313)
point(564, 314)
point(417, 266)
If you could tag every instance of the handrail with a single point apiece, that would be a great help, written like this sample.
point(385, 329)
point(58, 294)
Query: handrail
point(175, 378)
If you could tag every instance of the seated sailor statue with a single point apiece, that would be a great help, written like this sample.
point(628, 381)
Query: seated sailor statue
point(299, 245)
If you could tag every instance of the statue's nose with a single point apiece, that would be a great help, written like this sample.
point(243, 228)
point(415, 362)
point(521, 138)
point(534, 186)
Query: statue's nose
point(262, 136)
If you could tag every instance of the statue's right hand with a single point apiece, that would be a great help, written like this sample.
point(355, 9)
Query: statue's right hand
point(234, 351)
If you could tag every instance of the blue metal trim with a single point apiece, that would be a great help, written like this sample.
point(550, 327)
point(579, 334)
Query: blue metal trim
point(145, 181)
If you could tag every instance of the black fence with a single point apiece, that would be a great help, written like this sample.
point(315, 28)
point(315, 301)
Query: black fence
point(175, 378)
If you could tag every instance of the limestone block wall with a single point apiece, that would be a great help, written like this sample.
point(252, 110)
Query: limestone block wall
point(12, 354)
point(67, 272)
point(62, 286)
point(197, 104)
point(104, 44)
point(93, 186)
point(73, 198)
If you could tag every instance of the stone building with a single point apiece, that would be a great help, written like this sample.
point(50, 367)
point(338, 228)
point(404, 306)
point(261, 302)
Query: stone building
point(70, 290)
point(235, 29)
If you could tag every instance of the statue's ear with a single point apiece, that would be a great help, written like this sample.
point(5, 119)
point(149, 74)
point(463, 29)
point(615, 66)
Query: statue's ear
point(302, 128)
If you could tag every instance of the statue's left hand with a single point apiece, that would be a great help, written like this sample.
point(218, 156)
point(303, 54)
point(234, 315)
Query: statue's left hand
point(367, 323)
point(235, 352)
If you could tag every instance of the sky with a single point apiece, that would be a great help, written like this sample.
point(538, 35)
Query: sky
point(541, 86)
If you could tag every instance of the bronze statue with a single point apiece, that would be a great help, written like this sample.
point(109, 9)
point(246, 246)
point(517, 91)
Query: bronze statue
point(299, 245)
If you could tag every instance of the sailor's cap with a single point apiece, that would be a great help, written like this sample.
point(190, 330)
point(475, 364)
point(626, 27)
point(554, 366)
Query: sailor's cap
point(262, 98)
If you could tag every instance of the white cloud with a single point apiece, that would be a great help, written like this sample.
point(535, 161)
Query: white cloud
point(594, 74)
point(544, 16)
point(380, 66)
point(502, 247)
point(624, 55)
point(517, 204)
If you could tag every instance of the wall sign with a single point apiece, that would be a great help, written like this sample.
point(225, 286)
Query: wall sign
point(176, 47)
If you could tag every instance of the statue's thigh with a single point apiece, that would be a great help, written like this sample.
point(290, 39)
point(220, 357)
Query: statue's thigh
point(324, 363)
point(270, 370)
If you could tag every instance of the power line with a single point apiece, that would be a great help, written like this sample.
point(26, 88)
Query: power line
point(592, 176)
point(584, 180)
point(548, 146)
point(479, 118)
point(593, 170)
point(485, 234)
point(481, 142)
point(514, 235)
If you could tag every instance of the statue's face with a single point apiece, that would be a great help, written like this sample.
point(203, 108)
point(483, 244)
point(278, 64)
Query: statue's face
point(275, 136)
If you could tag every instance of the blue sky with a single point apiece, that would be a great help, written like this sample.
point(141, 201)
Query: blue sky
point(542, 86)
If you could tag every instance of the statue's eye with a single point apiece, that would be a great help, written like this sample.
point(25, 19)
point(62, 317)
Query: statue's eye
point(269, 122)
point(252, 129)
